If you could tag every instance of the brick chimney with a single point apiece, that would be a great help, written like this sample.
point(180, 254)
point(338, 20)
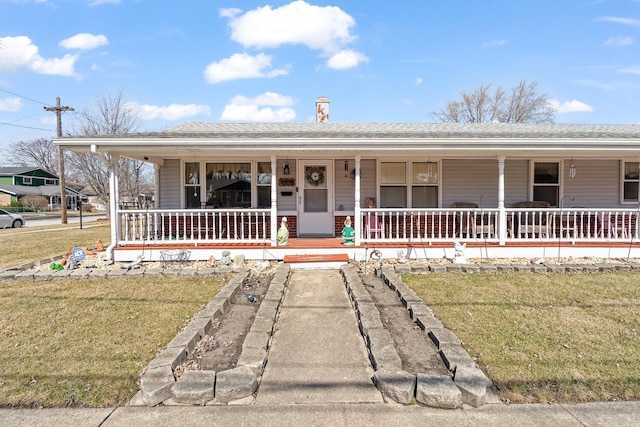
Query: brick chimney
point(322, 110)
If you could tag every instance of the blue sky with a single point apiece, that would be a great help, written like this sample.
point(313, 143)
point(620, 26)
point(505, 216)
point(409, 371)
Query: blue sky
point(377, 61)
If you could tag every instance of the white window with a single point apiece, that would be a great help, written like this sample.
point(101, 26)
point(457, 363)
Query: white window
point(264, 184)
point(192, 185)
point(50, 181)
point(421, 190)
point(630, 181)
point(546, 182)
point(27, 180)
point(228, 185)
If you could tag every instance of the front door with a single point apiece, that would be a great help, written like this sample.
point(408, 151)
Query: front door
point(315, 213)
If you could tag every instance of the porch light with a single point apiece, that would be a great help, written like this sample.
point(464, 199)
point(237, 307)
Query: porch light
point(572, 169)
point(286, 169)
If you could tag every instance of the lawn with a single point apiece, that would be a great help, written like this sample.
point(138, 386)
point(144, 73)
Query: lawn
point(86, 342)
point(545, 337)
point(21, 245)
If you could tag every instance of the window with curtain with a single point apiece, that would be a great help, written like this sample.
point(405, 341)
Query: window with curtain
point(424, 185)
point(393, 185)
point(228, 185)
point(192, 185)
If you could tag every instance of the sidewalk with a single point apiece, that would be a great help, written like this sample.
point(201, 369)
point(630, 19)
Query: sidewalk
point(317, 354)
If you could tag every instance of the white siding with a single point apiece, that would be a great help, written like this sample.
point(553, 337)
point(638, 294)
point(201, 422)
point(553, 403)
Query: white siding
point(170, 188)
point(467, 180)
point(345, 187)
point(516, 178)
point(596, 184)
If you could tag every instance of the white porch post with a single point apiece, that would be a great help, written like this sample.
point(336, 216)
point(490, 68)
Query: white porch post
point(357, 219)
point(274, 202)
point(502, 214)
point(113, 205)
point(156, 186)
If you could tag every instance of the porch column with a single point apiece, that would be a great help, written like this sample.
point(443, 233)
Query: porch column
point(113, 205)
point(357, 219)
point(502, 214)
point(274, 202)
point(156, 186)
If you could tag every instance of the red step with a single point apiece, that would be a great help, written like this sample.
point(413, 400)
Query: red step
point(316, 258)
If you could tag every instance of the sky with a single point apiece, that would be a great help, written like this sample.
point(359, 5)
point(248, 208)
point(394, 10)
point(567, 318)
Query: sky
point(269, 60)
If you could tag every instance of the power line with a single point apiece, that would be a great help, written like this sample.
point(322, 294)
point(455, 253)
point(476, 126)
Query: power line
point(24, 127)
point(24, 97)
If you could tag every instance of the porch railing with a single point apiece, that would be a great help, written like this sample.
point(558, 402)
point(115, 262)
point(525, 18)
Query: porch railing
point(194, 226)
point(521, 225)
point(390, 225)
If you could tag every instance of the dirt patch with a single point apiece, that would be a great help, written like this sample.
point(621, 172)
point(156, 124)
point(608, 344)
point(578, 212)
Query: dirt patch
point(221, 349)
point(415, 348)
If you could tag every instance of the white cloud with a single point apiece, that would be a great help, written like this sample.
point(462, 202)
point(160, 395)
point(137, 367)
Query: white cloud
point(572, 106)
point(346, 59)
point(241, 66)
point(19, 53)
point(419, 81)
point(230, 12)
point(84, 41)
point(99, 2)
point(619, 41)
point(170, 112)
point(10, 104)
point(618, 20)
point(323, 28)
point(259, 109)
point(630, 70)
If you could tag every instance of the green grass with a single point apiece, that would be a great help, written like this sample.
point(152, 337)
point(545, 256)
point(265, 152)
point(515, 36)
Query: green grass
point(545, 338)
point(22, 245)
point(86, 342)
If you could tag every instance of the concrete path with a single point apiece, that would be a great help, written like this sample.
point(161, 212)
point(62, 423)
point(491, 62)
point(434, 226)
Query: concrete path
point(317, 353)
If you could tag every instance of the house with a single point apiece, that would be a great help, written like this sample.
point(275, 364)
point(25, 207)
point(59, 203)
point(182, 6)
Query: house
point(16, 182)
point(504, 190)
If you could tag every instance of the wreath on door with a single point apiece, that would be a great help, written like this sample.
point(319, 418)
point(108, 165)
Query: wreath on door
point(315, 176)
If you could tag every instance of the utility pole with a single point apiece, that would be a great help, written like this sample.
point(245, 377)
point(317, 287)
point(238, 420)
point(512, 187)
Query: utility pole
point(63, 187)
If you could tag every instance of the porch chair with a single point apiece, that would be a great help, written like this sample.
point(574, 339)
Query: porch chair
point(608, 226)
point(471, 224)
point(374, 227)
point(535, 224)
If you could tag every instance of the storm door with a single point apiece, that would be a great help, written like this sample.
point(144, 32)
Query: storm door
point(315, 215)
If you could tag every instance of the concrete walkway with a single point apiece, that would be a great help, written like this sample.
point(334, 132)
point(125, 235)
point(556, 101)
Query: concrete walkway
point(317, 354)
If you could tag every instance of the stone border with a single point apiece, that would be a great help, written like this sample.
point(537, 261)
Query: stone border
point(205, 387)
point(427, 268)
point(466, 384)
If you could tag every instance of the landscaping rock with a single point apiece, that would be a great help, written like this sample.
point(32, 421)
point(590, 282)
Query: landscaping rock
point(235, 384)
point(473, 384)
point(395, 384)
point(156, 385)
point(438, 391)
point(194, 387)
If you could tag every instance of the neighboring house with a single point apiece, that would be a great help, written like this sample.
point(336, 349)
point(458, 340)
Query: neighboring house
point(16, 182)
point(503, 189)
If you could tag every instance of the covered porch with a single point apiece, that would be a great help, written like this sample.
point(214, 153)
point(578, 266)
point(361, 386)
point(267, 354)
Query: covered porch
point(503, 190)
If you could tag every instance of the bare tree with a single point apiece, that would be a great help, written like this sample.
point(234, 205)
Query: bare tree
point(34, 202)
point(522, 105)
point(38, 152)
point(111, 116)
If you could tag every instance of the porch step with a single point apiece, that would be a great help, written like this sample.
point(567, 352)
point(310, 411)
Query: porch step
point(326, 261)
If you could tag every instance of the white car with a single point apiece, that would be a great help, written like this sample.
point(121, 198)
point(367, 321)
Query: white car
point(8, 219)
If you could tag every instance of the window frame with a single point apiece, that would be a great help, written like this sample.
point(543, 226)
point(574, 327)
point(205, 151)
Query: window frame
point(558, 185)
point(624, 180)
point(409, 182)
